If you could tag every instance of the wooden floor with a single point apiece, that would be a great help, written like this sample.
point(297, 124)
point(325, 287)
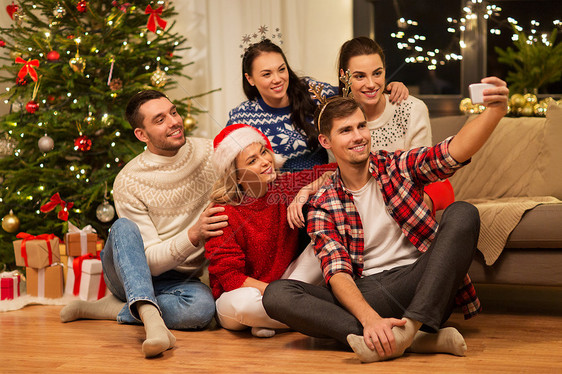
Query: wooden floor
point(525, 337)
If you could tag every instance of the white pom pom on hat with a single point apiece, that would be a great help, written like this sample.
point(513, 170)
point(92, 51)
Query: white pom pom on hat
point(233, 139)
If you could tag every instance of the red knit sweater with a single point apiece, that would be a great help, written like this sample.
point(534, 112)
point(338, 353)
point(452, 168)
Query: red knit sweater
point(258, 241)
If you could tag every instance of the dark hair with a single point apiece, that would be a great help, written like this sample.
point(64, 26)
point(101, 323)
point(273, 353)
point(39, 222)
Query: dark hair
point(132, 112)
point(336, 107)
point(357, 47)
point(302, 105)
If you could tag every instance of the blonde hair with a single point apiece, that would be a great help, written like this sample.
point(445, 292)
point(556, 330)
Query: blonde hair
point(227, 190)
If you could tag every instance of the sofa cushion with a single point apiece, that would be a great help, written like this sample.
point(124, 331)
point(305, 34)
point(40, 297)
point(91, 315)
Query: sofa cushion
point(522, 157)
point(539, 227)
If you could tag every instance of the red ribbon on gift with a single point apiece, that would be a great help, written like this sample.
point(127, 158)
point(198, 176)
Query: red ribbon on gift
point(154, 18)
point(28, 67)
point(55, 201)
point(26, 237)
point(77, 268)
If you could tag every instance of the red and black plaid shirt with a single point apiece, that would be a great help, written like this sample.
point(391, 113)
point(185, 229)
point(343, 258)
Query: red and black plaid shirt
point(335, 226)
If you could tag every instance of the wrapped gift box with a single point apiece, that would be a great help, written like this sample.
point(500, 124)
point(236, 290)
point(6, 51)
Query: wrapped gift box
point(9, 286)
point(45, 282)
point(40, 252)
point(79, 244)
point(92, 286)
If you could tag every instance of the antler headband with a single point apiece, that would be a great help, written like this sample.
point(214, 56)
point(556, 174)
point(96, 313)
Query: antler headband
point(316, 90)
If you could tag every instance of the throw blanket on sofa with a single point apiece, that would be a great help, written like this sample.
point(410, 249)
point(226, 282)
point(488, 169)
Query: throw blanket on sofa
point(498, 219)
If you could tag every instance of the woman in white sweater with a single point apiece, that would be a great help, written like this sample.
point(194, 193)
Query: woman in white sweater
point(393, 126)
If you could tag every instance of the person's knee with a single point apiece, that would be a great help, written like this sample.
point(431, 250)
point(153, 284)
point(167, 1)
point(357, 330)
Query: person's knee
point(276, 294)
point(123, 225)
point(187, 312)
point(464, 215)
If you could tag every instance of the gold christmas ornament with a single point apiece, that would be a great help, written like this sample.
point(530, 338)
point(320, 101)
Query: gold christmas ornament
point(540, 109)
point(189, 122)
point(517, 100)
point(77, 64)
point(527, 110)
point(115, 84)
point(158, 78)
point(530, 98)
point(10, 222)
point(19, 16)
point(465, 105)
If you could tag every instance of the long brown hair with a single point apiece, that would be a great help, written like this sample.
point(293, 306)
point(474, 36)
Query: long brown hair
point(302, 105)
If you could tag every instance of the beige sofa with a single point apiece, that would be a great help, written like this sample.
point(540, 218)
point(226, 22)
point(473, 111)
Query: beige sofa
point(515, 181)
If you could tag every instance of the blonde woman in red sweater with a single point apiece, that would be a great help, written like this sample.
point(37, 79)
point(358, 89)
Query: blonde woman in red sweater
point(260, 244)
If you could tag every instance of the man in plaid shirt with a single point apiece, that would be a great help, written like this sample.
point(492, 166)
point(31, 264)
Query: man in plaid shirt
point(383, 255)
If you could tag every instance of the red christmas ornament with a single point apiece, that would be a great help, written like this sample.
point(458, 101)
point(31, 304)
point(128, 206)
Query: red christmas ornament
point(31, 106)
point(82, 143)
point(82, 6)
point(70, 36)
point(11, 9)
point(51, 99)
point(53, 56)
point(2, 43)
point(170, 54)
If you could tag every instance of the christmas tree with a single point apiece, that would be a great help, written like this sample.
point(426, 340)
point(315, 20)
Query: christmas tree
point(72, 66)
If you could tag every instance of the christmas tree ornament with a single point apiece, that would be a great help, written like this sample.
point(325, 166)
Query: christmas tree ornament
point(530, 99)
point(31, 106)
point(77, 63)
point(82, 143)
point(527, 110)
point(11, 9)
point(28, 68)
point(2, 43)
point(189, 122)
point(10, 222)
point(46, 143)
point(540, 109)
point(59, 11)
point(115, 84)
point(517, 100)
point(465, 105)
point(55, 201)
point(19, 16)
point(154, 18)
point(7, 145)
point(105, 211)
point(82, 6)
point(90, 118)
point(53, 56)
point(51, 99)
point(158, 78)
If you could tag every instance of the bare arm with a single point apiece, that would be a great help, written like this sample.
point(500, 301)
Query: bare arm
point(253, 282)
point(294, 211)
point(376, 330)
point(475, 133)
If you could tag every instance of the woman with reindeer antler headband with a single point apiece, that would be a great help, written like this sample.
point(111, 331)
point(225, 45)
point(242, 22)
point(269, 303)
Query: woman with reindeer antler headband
point(280, 105)
point(393, 126)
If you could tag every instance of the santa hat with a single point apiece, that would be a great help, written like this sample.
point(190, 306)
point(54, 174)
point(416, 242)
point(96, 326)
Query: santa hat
point(233, 139)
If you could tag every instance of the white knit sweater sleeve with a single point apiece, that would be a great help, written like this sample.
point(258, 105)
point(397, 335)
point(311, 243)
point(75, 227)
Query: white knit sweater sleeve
point(418, 133)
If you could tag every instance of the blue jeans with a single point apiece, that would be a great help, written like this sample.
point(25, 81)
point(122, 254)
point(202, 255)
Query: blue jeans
point(184, 302)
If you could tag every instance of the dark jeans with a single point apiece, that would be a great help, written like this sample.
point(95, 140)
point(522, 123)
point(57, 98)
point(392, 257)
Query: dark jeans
point(423, 291)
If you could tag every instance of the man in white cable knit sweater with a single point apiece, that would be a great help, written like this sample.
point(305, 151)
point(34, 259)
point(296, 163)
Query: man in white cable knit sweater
point(154, 254)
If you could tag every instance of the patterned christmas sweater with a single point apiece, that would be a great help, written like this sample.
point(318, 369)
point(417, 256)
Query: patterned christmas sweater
point(401, 126)
point(165, 196)
point(277, 125)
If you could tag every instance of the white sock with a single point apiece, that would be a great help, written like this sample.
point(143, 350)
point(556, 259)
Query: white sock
point(158, 337)
point(446, 340)
point(107, 307)
point(261, 332)
point(403, 336)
